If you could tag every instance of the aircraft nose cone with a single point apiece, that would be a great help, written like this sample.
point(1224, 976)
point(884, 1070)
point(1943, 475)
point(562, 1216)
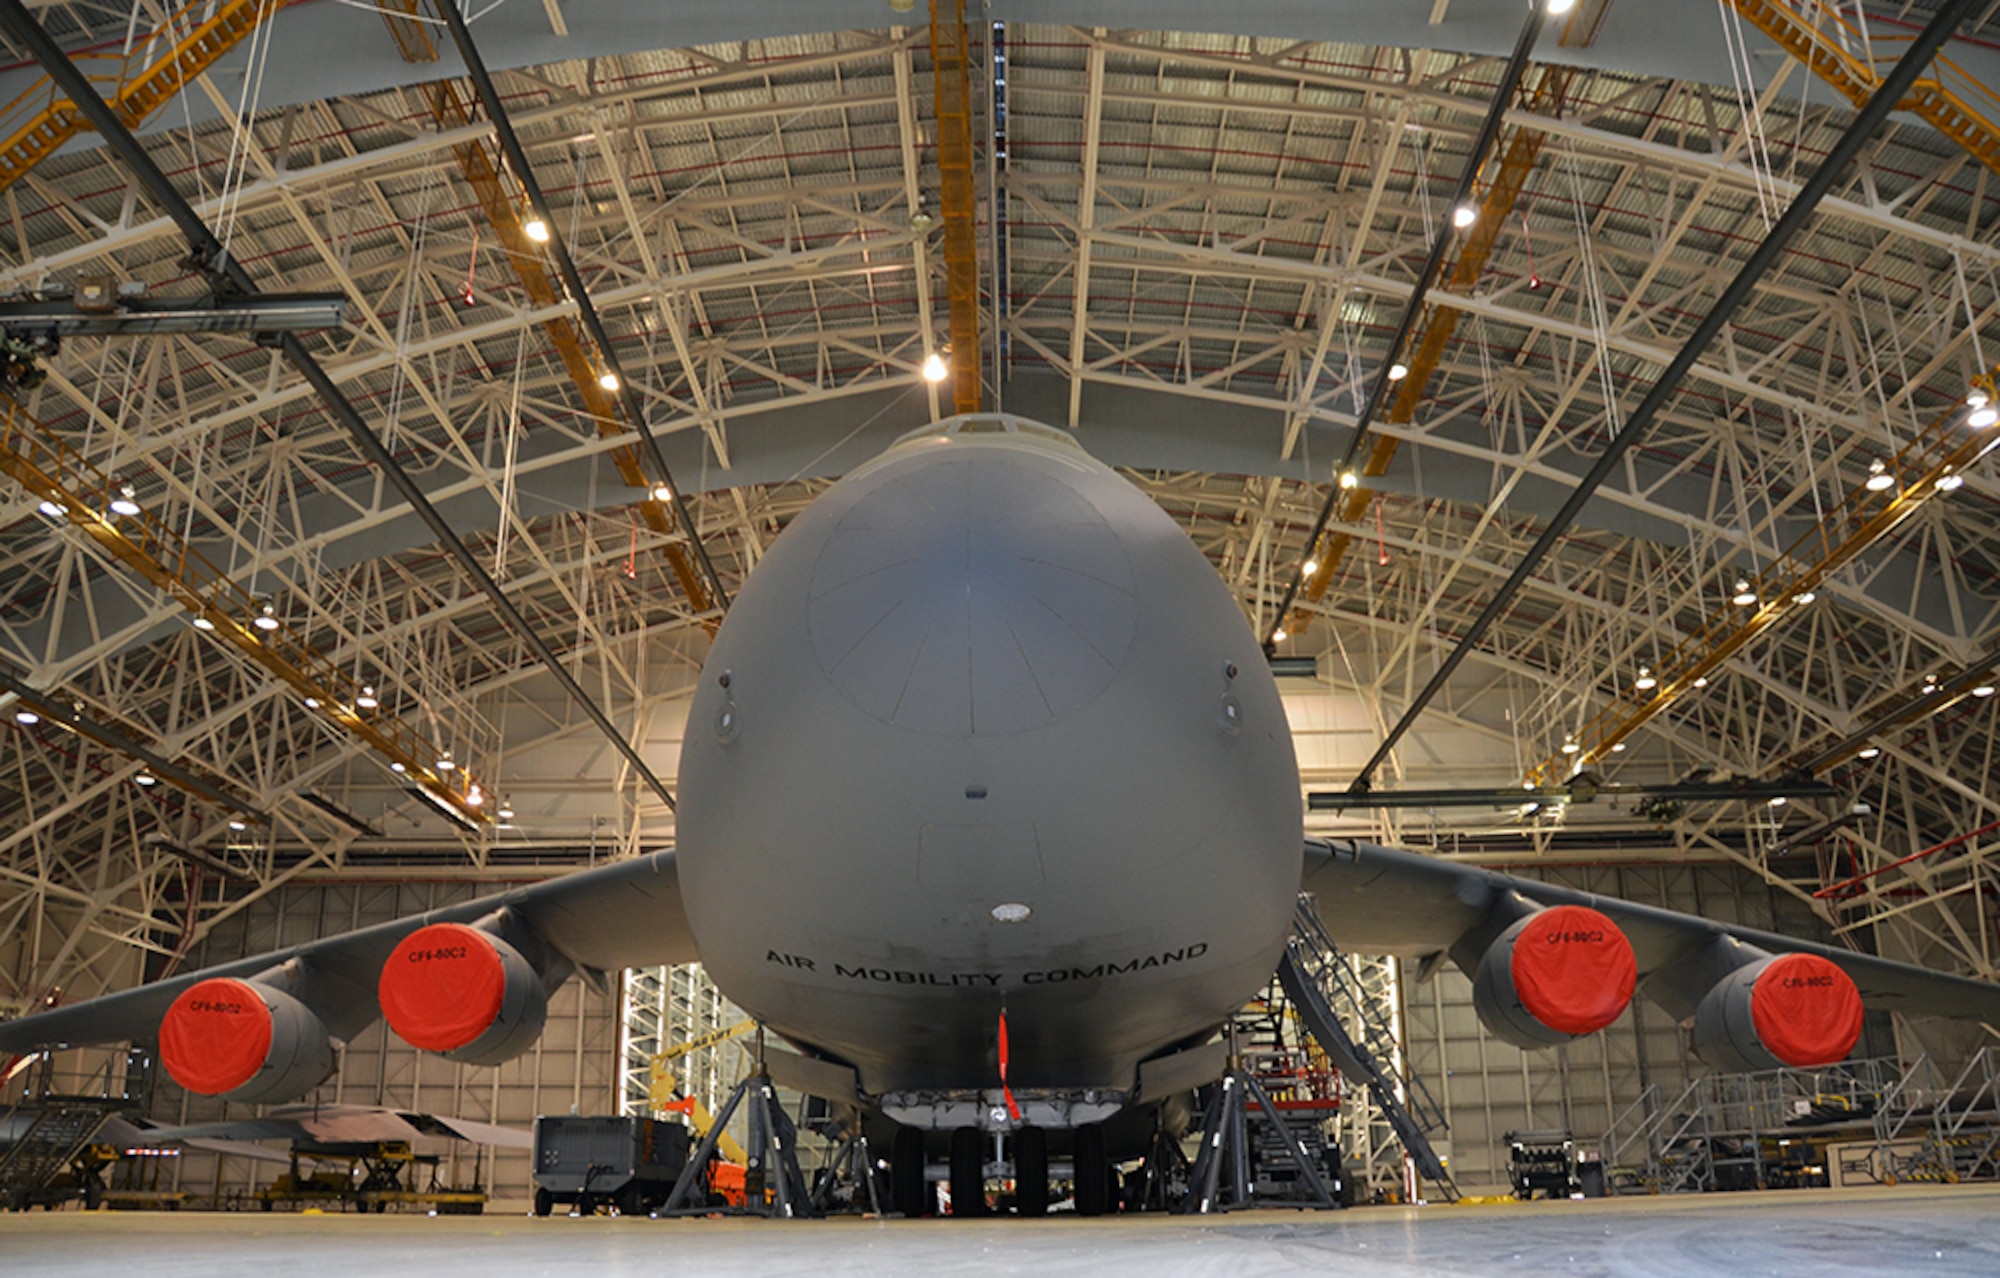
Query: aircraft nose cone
point(980, 595)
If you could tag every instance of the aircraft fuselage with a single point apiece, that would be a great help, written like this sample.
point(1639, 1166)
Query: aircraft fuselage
point(984, 729)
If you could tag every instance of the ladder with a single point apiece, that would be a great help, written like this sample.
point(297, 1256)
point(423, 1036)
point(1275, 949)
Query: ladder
point(1316, 978)
point(63, 1126)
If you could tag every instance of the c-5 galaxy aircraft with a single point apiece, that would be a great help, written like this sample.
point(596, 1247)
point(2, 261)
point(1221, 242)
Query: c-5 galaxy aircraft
point(984, 733)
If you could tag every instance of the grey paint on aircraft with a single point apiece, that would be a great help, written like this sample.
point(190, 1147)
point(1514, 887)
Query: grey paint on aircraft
point(984, 671)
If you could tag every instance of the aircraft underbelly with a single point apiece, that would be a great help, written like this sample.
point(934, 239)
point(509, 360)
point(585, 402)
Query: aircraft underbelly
point(986, 731)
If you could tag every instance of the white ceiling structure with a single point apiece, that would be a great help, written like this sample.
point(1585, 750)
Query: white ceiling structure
point(1195, 245)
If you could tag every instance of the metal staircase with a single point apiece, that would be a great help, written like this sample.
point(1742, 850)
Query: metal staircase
point(1355, 1031)
point(62, 1128)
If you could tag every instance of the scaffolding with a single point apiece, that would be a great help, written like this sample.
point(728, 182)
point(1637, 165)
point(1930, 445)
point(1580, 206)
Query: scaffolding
point(1763, 1130)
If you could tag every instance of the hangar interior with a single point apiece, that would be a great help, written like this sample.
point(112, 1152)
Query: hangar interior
point(1196, 231)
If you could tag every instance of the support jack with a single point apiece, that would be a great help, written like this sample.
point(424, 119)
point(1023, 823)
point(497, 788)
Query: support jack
point(773, 1183)
point(1226, 1148)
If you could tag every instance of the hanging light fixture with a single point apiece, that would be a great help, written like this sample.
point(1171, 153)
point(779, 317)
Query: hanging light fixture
point(474, 796)
point(1617, 747)
point(1744, 596)
point(444, 763)
point(1279, 635)
point(1463, 216)
point(312, 703)
point(1311, 567)
point(237, 824)
point(1949, 482)
point(1983, 690)
point(126, 502)
point(1879, 477)
point(203, 623)
point(367, 700)
point(146, 779)
point(1397, 372)
point(608, 380)
point(1869, 752)
point(536, 229)
point(1701, 681)
point(1570, 746)
point(506, 812)
point(53, 509)
point(934, 368)
point(398, 768)
point(663, 493)
point(267, 617)
point(1645, 682)
point(1348, 479)
point(1804, 597)
point(27, 718)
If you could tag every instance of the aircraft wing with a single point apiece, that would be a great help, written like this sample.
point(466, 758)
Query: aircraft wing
point(343, 1125)
point(625, 914)
point(1391, 901)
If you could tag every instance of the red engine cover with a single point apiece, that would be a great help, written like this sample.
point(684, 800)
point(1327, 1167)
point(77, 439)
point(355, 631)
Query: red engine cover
point(1806, 1010)
point(1573, 969)
point(216, 1036)
point(442, 987)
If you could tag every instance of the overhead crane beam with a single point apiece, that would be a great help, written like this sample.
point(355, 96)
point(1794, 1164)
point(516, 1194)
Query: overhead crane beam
point(1440, 323)
point(1850, 143)
point(1344, 495)
point(1931, 464)
point(1951, 100)
point(185, 775)
point(667, 494)
point(137, 96)
point(958, 202)
point(75, 491)
point(503, 215)
point(208, 251)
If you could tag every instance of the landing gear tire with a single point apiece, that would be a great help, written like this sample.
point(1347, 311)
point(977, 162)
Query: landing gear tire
point(1093, 1171)
point(909, 1189)
point(968, 1172)
point(1031, 1172)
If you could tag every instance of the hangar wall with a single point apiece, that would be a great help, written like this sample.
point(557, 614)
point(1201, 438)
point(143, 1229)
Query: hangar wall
point(1488, 1088)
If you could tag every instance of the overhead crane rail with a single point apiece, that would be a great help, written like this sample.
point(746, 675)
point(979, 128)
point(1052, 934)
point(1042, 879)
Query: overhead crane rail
point(1845, 55)
point(503, 214)
point(951, 71)
point(52, 119)
point(74, 490)
point(1440, 322)
point(1931, 464)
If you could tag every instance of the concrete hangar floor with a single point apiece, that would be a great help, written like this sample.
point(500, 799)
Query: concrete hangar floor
point(1946, 1230)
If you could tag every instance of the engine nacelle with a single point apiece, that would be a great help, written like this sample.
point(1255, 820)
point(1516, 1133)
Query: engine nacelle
point(464, 993)
point(1796, 1010)
point(244, 1040)
point(1554, 975)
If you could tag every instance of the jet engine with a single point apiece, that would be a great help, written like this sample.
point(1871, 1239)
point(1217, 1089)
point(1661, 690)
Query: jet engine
point(244, 1040)
point(1797, 1010)
point(464, 993)
point(1554, 975)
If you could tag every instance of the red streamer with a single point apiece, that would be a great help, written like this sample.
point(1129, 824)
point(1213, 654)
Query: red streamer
point(1013, 1110)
